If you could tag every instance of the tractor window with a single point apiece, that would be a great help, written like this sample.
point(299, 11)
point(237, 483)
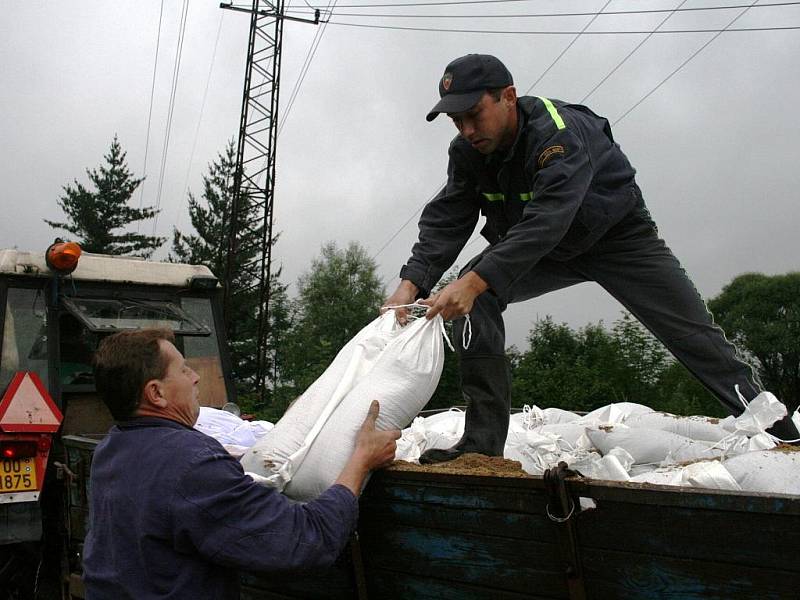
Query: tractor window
point(24, 335)
point(203, 355)
point(108, 316)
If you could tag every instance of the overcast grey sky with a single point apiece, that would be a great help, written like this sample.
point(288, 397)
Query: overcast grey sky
point(716, 146)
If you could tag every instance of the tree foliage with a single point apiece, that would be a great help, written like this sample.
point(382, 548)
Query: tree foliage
point(97, 215)
point(591, 367)
point(761, 315)
point(208, 246)
point(336, 298)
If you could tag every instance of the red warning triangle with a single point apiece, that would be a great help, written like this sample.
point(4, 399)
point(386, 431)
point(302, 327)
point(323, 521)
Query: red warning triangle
point(26, 406)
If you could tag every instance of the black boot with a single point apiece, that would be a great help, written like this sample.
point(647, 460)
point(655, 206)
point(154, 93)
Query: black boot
point(785, 430)
point(486, 385)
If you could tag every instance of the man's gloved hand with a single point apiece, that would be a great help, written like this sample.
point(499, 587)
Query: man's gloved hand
point(457, 298)
point(405, 293)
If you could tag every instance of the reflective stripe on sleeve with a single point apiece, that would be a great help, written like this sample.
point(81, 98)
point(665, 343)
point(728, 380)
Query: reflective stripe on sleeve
point(494, 197)
point(526, 197)
point(553, 112)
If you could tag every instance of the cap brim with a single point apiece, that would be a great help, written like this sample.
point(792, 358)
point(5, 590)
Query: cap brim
point(454, 103)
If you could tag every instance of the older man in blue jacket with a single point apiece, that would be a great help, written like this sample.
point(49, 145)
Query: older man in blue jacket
point(171, 513)
point(562, 207)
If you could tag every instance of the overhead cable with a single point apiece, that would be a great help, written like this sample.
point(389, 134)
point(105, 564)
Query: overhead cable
point(404, 225)
point(200, 118)
point(175, 73)
point(150, 112)
point(631, 53)
point(550, 14)
point(517, 32)
point(312, 50)
point(684, 63)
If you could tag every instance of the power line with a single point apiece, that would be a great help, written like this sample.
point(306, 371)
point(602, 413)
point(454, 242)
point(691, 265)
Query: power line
point(312, 50)
point(517, 32)
point(175, 72)
point(551, 14)
point(564, 51)
point(150, 112)
point(684, 63)
point(403, 226)
point(631, 53)
point(200, 118)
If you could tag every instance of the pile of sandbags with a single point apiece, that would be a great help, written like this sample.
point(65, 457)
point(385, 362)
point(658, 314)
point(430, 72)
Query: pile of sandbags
point(631, 442)
point(309, 446)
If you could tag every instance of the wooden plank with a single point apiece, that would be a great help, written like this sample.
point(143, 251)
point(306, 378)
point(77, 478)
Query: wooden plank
point(632, 575)
point(480, 560)
point(480, 493)
point(749, 539)
point(506, 524)
point(386, 584)
point(686, 497)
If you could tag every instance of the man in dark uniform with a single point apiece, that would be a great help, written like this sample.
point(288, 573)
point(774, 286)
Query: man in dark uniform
point(562, 207)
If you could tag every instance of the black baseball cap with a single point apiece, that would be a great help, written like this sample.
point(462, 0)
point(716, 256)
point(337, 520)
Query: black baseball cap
point(466, 79)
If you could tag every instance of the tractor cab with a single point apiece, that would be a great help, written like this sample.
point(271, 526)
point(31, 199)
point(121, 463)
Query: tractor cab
point(55, 307)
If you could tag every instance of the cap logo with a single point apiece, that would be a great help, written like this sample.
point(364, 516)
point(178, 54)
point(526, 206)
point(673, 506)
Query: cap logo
point(447, 80)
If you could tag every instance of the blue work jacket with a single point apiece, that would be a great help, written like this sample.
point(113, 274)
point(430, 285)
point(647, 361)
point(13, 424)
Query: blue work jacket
point(172, 515)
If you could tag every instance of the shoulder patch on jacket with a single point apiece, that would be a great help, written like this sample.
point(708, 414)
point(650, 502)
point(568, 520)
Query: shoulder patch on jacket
point(549, 152)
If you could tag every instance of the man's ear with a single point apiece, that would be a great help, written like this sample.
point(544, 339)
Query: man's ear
point(152, 396)
point(510, 94)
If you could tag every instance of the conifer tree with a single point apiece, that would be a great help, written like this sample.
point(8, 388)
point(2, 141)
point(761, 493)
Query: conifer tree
point(99, 217)
point(208, 246)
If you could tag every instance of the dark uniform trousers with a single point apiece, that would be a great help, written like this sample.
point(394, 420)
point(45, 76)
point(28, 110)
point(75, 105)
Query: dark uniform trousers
point(638, 269)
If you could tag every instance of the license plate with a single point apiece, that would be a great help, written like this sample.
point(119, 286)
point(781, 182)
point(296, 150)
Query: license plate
point(17, 475)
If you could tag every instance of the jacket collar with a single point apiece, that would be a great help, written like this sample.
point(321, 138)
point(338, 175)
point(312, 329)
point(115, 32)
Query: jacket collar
point(142, 422)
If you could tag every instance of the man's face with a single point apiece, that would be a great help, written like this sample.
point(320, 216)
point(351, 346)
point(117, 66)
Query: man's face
point(490, 124)
point(179, 387)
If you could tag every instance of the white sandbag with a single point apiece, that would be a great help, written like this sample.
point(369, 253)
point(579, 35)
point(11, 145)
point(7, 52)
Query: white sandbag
point(230, 430)
point(403, 379)
point(651, 446)
point(534, 451)
point(554, 415)
point(710, 475)
point(269, 458)
point(614, 413)
point(770, 471)
point(449, 423)
point(422, 436)
point(667, 476)
point(760, 414)
point(572, 433)
point(704, 474)
point(697, 427)
point(611, 467)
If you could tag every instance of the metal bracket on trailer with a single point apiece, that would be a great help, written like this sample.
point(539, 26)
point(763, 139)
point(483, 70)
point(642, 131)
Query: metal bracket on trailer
point(561, 509)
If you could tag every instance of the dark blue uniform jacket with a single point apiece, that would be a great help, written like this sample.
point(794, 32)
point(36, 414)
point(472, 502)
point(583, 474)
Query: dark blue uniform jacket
point(172, 515)
point(560, 187)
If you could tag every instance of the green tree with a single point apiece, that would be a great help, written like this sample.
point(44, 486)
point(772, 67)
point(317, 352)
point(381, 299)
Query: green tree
point(96, 216)
point(591, 367)
point(337, 297)
point(568, 369)
point(761, 315)
point(208, 246)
